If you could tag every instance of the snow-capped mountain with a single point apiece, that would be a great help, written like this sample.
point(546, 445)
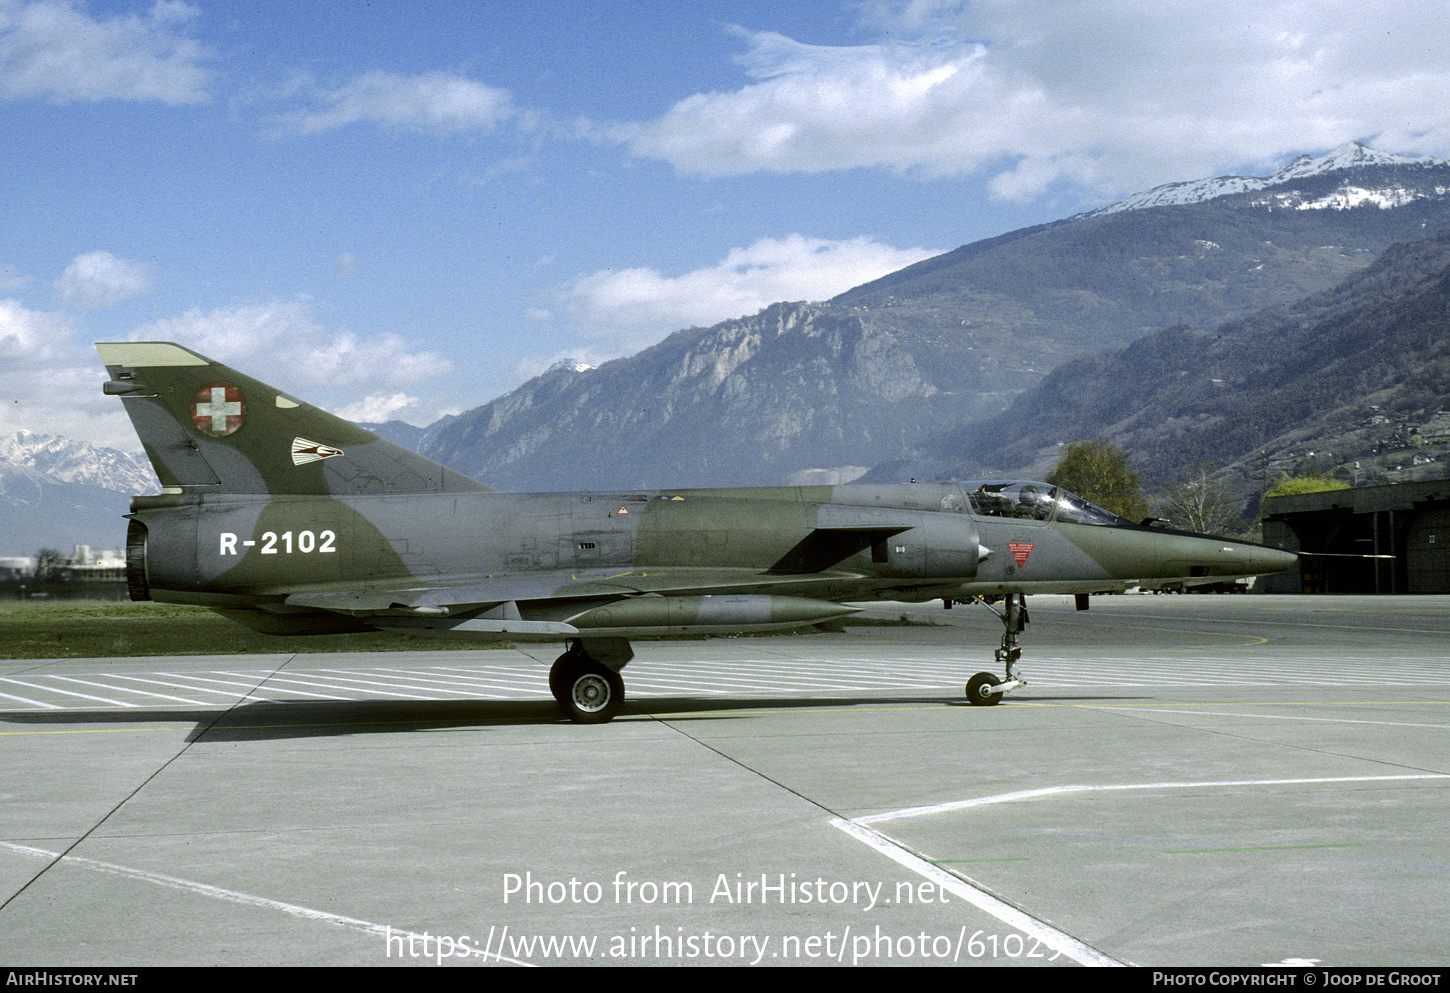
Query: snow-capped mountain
point(1350, 155)
point(65, 460)
point(1359, 176)
point(58, 492)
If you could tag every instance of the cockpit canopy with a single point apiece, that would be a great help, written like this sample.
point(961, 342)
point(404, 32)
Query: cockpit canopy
point(1037, 502)
point(1022, 499)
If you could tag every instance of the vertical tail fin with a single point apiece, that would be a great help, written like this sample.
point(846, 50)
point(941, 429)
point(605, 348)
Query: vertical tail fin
point(208, 427)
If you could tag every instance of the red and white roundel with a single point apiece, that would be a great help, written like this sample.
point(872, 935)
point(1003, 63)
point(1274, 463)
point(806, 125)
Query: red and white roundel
point(218, 409)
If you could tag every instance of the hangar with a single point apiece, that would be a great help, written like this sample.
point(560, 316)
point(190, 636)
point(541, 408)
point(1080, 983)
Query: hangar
point(1409, 521)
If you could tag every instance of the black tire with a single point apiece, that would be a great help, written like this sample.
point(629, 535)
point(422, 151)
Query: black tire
point(592, 694)
point(977, 694)
point(559, 676)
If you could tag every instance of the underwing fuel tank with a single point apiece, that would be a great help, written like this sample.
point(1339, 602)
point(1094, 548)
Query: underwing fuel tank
point(658, 615)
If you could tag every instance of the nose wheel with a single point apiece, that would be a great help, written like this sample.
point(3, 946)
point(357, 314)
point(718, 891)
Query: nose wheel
point(982, 690)
point(985, 689)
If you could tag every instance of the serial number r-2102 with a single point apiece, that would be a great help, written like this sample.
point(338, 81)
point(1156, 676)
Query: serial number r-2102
point(285, 543)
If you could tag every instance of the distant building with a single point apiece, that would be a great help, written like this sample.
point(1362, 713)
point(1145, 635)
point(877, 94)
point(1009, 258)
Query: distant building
point(1408, 522)
point(84, 574)
point(16, 567)
point(88, 566)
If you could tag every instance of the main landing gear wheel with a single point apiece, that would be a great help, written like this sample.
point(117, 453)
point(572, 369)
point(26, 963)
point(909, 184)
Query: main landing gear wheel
point(979, 690)
point(558, 672)
point(588, 692)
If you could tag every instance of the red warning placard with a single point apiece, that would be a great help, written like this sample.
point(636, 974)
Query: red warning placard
point(1020, 550)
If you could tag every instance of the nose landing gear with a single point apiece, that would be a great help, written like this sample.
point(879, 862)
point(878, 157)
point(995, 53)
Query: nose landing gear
point(985, 689)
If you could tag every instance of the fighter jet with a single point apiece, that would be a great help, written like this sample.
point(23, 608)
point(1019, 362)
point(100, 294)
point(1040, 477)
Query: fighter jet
point(290, 520)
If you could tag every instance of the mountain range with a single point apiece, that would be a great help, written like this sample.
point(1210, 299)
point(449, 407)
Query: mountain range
point(60, 492)
point(1355, 378)
point(1251, 324)
point(1350, 176)
point(882, 375)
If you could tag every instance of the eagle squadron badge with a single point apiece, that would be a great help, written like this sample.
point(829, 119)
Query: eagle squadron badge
point(304, 451)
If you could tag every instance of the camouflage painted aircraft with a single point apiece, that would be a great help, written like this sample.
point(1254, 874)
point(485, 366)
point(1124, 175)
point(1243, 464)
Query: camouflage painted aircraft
point(290, 520)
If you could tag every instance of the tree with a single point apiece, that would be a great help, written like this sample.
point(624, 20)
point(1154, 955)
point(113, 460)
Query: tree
point(48, 562)
point(1197, 503)
point(1098, 471)
point(1296, 485)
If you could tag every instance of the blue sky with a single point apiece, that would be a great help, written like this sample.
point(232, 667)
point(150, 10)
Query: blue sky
point(407, 209)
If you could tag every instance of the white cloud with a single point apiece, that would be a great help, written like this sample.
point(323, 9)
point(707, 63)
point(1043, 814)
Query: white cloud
point(378, 408)
point(54, 50)
point(1112, 96)
point(100, 279)
point(29, 337)
point(52, 385)
point(431, 101)
point(282, 340)
point(621, 311)
point(820, 108)
point(639, 306)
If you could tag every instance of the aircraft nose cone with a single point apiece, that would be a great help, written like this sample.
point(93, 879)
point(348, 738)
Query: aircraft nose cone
point(1263, 560)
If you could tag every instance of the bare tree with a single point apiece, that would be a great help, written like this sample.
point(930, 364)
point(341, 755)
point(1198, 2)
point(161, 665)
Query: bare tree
point(48, 562)
point(1197, 503)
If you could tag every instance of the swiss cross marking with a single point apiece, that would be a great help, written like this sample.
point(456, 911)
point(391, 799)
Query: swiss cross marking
point(218, 409)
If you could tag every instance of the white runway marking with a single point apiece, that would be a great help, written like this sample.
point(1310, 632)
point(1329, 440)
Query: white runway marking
point(1266, 716)
point(646, 678)
point(1060, 941)
point(384, 931)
